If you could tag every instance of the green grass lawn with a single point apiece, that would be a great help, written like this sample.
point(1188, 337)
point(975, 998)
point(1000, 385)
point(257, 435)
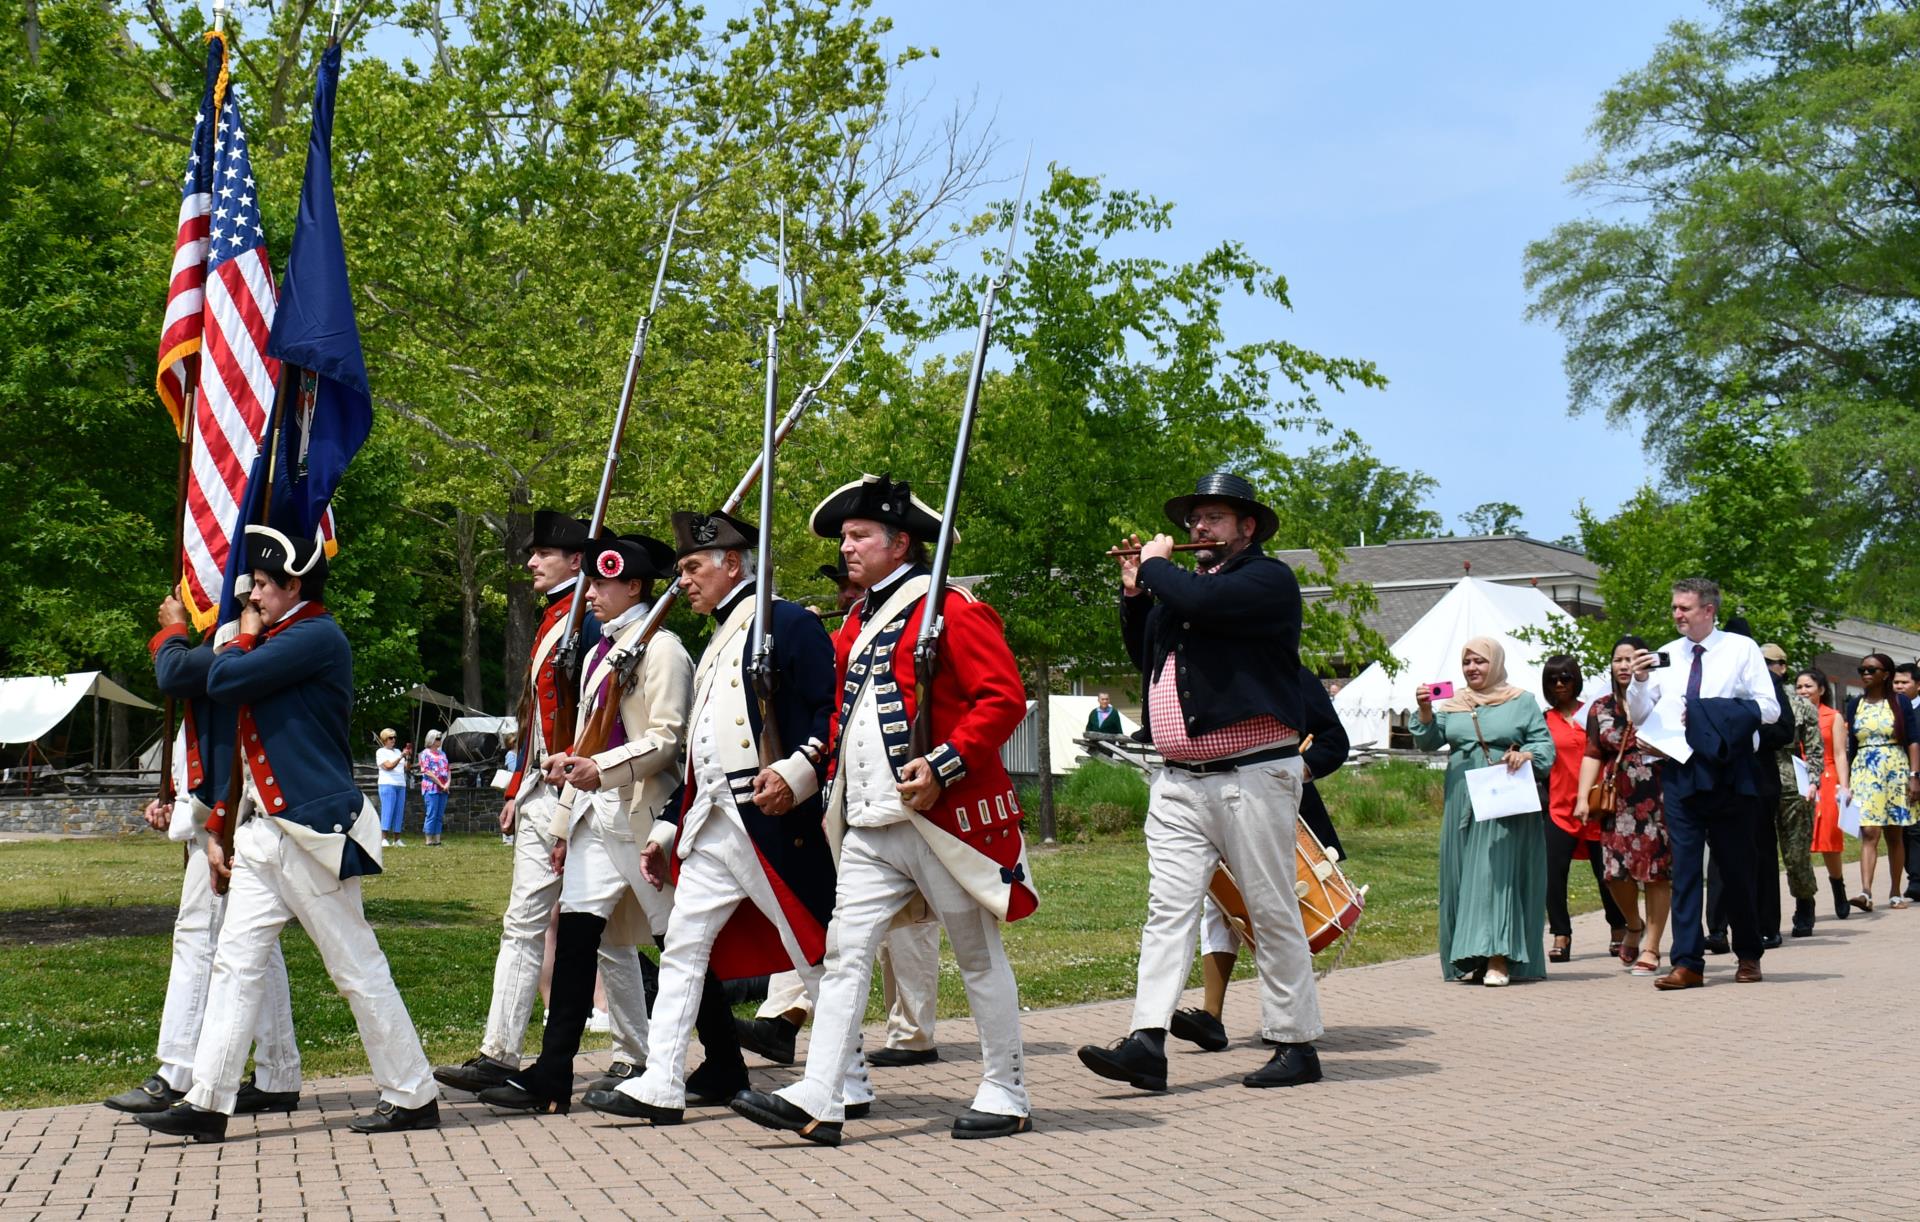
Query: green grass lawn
point(85, 936)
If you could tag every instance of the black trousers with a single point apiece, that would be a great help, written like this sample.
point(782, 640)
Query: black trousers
point(1766, 885)
point(1913, 861)
point(1560, 847)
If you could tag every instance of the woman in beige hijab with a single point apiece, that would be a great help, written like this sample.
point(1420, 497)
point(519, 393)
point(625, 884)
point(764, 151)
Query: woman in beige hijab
point(1493, 873)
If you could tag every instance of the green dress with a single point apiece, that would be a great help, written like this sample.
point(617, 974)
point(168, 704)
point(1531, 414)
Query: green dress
point(1493, 875)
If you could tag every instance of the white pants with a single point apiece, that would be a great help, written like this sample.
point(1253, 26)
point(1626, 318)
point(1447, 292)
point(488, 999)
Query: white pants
point(196, 931)
point(720, 872)
point(594, 884)
point(274, 881)
point(1217, 936)
point(880, 869)
point(909, 986)
point(1246, 819)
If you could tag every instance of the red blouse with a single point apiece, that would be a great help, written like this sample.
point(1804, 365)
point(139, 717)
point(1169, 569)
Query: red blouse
point(1563, 782)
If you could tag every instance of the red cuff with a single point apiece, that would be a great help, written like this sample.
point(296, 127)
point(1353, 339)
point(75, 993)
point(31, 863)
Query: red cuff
point(216, 823)
point(164, 635)
point(245, 641)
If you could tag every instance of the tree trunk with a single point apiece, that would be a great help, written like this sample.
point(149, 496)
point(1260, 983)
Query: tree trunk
point(1042, 691)
point(465, 526)
point(522, 613)
point(32, 23)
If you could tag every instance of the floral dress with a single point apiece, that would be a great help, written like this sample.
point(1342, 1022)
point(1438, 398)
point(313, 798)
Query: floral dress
point(1879, 767)
point(1633, 840)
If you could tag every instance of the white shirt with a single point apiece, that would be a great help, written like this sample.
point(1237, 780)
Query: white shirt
point(872, 800)
point(396, 775)
point(1732, 666)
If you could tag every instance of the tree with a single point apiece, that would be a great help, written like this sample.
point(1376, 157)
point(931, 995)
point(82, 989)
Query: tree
point(1768, 165)
point(1492, 518)
point(1343, 494)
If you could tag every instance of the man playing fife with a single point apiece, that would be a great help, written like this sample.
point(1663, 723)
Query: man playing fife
point(306, 837)
point(620, 773)
point(945, 824)
point(554, 561)
point(1220, 652)
point(202, 755)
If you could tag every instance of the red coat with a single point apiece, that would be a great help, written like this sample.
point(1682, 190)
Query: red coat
point(978, 701)
point(542, 701)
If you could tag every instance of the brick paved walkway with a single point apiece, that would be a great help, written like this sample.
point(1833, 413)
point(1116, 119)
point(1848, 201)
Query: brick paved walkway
point(1587, 1095)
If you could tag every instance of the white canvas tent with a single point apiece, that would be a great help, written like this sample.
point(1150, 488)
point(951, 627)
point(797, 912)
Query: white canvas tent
point(31, 706)
point(1431, 650)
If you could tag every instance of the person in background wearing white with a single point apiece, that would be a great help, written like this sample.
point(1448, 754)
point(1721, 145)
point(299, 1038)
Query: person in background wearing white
point(393, 790)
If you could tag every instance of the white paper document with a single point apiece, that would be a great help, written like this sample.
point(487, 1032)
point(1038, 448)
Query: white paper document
point(1497, 793)
point(1802, 779)
point(501, 778)
point(1850, 818)
point(1665, 732)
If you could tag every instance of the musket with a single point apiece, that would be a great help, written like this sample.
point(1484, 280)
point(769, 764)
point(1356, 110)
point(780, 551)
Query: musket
point(566, 659)
point(760, 643)
point(628, 660)
point(926, 650)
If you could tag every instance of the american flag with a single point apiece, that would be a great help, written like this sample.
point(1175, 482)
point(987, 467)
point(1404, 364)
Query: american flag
point(220, 306)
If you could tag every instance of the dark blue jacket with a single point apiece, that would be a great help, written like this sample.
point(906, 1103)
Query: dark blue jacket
point(1323, 756)
point(1234, 637)
point(298, 682)
point(1720, 730)
point(180, 670)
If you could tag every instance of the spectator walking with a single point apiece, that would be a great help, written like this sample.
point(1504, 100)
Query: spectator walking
point(1104, 719)
point(436, 776)
point(1793, 822)
point(1493, 873)
point(1634, 849)
point(1883, 777)
point(1571, 837)
point(1827, 841)
point(393, 790)
point(1906, 682)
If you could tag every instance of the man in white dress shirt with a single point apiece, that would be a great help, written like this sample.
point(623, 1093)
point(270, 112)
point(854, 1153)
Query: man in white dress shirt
point(1709, 795)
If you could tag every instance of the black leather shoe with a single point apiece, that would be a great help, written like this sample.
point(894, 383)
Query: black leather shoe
point(708, 1086)
point(859, 1111)
point(898, 1058)
point(392, 1118)
point(613, 1103)
point(185, 1120)
point(971, 1125)
point(1127, 1061)
point(1772, 941)
point(1717, 945)
point(773, 1112)
point(476, 1075)
point(252, 1101)
point(1840, 905)
point(1196, 1026)
point(1803, 918)
point(617, 1073)
point(1292, 1065)
point(153, 1095)
point(772, 1038)
point(512, 1098)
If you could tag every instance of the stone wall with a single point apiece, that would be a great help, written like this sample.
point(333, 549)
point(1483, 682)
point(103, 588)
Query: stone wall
point(469, 809)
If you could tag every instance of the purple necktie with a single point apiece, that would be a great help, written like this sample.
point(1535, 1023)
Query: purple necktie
point(1693, 676)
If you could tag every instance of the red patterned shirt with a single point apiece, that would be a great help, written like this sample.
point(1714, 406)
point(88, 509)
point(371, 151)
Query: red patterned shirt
point(1169, 725)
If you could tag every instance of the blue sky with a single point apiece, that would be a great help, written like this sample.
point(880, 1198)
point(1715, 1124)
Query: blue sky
point(1392, 160)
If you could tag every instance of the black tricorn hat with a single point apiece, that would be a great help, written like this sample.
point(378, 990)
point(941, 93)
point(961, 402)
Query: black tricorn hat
point(837, 572)
point(275, 553)
point(630, 558)
point(877, 498)
point(551, 528)
point(702, 532)
point(1235, 491)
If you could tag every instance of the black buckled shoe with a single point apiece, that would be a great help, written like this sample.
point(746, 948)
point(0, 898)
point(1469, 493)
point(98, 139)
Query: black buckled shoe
point(771, 1038)
point(1196, 1026)
point(476, 1075)
point(153, 1095)
point(1128, 1061)
point(972, 1126)
point(715, 1086)
point(617, 1073)
point(899, 1058)
point(1292, 1065)
point(773, 1112)
point(515, 1098)
point(614, 1103)
point(1716, 944)
point(252, 1101)
point(392, 1118)
point(185, 1120)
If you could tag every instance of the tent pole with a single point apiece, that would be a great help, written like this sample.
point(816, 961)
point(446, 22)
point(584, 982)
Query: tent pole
point(96, 731)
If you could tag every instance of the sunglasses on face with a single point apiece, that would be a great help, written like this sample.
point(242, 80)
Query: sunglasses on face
point(1872, 670)
point(1561, 681)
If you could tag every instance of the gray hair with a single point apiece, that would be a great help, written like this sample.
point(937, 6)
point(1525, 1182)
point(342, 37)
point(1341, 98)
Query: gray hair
point(1702, 588)
point(717, 557)
point(433, 736)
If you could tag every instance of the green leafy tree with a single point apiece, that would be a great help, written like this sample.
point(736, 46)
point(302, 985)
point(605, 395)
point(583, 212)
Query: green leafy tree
point(1492, 518)
point(1341, 493)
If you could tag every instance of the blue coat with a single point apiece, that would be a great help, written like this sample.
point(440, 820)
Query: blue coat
point(1720, 730)
point(180, 669)
point(298, 682)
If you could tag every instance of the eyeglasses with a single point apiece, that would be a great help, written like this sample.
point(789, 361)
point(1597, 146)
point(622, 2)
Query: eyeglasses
point(1872, 670)
point(1562, 680)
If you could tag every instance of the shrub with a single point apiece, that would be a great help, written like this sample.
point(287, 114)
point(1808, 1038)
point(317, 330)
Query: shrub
point(1391, 793)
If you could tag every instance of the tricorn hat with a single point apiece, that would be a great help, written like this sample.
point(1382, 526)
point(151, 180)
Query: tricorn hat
point(630, 558)
point(554, 529)
point(275, 553)
point(1235, 491)
point(702, 532)
point(877, 498)
point(836, 572)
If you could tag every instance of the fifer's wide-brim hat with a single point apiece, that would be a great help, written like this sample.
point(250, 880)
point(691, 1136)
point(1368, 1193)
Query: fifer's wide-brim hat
point(703, 532)
point(630, 558)
point(836, 572)
point(554, 529)
point(877, 498)
point(1235, 491)
point(276, 553)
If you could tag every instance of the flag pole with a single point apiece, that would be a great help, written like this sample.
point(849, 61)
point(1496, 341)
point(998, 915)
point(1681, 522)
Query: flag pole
point(220, 16)
point(333, 26)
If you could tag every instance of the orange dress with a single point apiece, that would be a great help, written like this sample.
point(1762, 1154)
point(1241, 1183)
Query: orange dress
point(1827, 837)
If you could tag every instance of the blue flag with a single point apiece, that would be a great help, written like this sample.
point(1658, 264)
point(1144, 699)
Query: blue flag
point(330, 409)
